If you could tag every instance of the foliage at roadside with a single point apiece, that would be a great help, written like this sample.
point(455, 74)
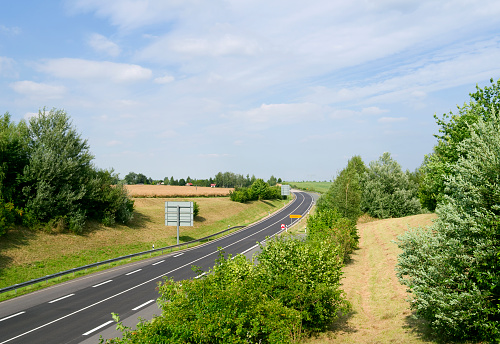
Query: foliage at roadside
point(453, 267)
point(346, 191)
point(260, 190)
point(455, 128)
point(47, 178)
point(388, 191)
point(293, 291)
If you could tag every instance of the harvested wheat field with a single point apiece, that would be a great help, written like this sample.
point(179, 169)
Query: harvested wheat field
point(380, 313)
point(175, 191)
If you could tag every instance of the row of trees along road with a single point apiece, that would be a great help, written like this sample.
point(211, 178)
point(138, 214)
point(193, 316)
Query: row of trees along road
point(452, 268)
point(47, 178)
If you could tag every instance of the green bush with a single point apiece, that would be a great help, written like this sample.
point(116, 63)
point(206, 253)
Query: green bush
point(387, 190)
point(46, 170)
point(294, 289)
point(328, 225)
point(453, 268)
point(259, 190)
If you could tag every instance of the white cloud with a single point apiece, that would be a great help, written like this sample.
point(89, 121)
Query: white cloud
point(213, 155)
point(103, 45)
point(7, 68)
point(392, 119)
point(10, 30)
point(226, 44)
point(79, 69)
point(348, 113)
point(38, 90)
point(113, 143)
point(164, 79)
point(281, 114)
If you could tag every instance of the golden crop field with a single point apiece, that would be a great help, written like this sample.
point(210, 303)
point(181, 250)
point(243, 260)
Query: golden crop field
point(175, 191)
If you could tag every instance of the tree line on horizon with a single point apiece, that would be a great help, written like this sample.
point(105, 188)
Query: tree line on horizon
point(222, 180)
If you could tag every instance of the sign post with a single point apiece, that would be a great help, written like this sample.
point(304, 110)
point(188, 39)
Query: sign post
point(294, 217)
point(178, 214)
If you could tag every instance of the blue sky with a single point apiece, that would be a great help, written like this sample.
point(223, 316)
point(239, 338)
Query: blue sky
point(285, 88)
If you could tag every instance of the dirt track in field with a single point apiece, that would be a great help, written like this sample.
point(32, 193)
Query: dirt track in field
point(175, 191)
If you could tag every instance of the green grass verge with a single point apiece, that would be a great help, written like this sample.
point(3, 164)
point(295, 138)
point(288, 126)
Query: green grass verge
point(28, 242)
point(320, 187)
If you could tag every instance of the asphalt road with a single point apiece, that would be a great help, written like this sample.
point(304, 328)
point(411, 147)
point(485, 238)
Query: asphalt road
point(79, 310)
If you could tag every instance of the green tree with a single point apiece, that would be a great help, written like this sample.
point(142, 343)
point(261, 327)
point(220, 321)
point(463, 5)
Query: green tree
point(387, 191)
point(131, 178)
point(58, 171)
point(454, 128)
point(453, 268)
point(13, 159)
point(346, 191)
point(272, 181)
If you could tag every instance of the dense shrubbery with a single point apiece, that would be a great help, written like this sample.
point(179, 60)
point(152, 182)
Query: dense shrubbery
point(329, 225)
point(453, 267)
point(260, 190)
point(388, 191)
point(47, 176)
point(293, 290)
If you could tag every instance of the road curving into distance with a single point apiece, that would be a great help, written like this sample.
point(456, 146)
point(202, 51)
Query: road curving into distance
point(75, 311)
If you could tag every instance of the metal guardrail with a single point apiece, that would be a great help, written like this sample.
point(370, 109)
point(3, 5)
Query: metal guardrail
point(62, 273)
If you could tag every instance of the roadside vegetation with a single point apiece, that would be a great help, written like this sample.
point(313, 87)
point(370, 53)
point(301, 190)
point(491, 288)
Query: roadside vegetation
point(448, 271)
point(47, 179)
point(27, 254)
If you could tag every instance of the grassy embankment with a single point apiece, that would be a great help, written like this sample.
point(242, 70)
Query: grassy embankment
point(25, 254)
point(320, 187)
point(380, 313)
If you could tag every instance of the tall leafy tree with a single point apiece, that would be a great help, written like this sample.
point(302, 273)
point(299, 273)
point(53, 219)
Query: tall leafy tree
point(58, 172)
point(453, 268)
point(346, 191)
point(387, 191)
point(454, 128)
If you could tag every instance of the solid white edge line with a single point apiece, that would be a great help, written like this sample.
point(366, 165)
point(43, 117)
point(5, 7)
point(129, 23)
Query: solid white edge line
point(133, 272)
point(161, 261)
point(144, 304)
point(13, 315)
point(123, 292)
point(61, 298)
point(98, 285)
point(97, 328)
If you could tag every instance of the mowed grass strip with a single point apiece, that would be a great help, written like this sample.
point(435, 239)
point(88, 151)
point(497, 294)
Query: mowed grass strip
point(380, 313)
point(25, 254)
point(320, 187)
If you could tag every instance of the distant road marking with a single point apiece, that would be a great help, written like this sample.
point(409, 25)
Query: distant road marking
point(61, 298)
point(133, 272)
point(161, 261)
point(144, 304)
point(98, 285)
point(11, 316)
point(98, 328)
point(178, 255)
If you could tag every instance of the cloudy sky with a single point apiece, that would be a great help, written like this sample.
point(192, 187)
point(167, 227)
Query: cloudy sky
point(289, 88)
